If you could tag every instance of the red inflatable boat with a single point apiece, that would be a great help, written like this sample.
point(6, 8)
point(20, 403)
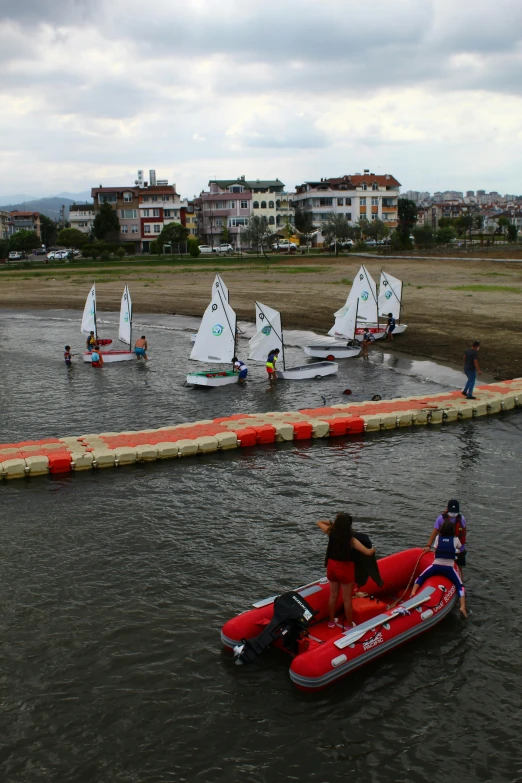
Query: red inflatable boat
point(298, 622)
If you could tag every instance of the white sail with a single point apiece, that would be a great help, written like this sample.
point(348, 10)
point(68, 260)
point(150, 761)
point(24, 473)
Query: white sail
point(345, 322)
point(216, 337)
point(89, 313)
point(390, 296)
point(219, 285)
point(364, 290)
point(269, 333)
point(125, 332)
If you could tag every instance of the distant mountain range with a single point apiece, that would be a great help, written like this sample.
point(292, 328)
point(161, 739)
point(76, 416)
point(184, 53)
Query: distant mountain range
point(49, 206)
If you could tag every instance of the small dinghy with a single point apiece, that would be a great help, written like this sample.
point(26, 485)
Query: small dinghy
point(344, 326)
point(385, 617)
point(215, 341)
point(125, 328)
point(389, 301)
point(269, 336)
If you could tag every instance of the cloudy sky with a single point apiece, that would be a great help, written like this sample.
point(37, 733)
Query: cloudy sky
point(427, 90)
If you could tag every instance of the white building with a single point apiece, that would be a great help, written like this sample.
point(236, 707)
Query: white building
point(358, 197)
point(81, 216)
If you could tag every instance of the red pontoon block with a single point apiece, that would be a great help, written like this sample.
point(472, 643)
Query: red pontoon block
point(302, 430)
point(266, 433)
point(246, 437)
point(59, 461)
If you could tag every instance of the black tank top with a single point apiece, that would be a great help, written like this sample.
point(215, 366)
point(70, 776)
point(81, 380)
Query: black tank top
point(339, 547)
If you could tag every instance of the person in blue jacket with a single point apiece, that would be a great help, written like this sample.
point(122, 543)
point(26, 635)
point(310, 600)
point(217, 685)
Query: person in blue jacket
point(447, 547)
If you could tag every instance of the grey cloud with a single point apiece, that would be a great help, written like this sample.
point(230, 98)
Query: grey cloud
point(35, 12)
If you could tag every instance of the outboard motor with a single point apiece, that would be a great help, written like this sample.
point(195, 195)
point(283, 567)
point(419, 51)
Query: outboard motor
point(292, 614)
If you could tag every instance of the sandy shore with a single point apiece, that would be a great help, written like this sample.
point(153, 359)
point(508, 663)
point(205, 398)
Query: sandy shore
point(447, 304)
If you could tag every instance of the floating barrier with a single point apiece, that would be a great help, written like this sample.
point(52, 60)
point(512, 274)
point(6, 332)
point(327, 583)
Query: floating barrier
point(242, 430)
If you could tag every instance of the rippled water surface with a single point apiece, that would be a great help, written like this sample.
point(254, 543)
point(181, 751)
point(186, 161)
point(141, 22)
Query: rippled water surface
point(115, 583)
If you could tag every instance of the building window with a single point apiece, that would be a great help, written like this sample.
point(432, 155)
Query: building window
point(146, 212)
point(325, 202)
point(255, 205)
point(219, 222)
point(107, 198)
point(127, 197)
point(155, 212)
point(375, 186)
point(124, 229)
point(238, 222)
point(362, 202)
point(167, 213)
point(128, 213)
point(271, 220)
point(244, 204)
point(364, 186)
point(375, 202)
point(348, 216)
point(270, 205)
point(348, 202)
point(278, 204)
point(278, 220)
point(165, 198)
point(146, 229)
point(157, 229)
point(263, 205)
point(236, 189)
point(375, 216)
point(231, 204)
point(134, 228)
point(340, 202)
point(154, 198)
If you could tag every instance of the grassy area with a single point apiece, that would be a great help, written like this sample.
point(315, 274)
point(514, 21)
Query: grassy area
point(508, 289)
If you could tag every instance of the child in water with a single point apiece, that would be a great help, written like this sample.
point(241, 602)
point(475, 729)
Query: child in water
point(67, 355)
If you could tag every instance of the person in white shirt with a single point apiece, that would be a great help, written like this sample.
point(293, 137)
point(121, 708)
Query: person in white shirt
point(241, 368)
point(447, 548)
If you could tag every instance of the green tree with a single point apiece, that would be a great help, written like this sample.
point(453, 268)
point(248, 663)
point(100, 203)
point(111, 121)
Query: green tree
point(4, 248)
point(258, 233)
point(304, 226)
point(445, 234)
point(335, 228)
point(72, 237)
point(512, 233)
point(121, 253)
point(464, 224)
point(193, 248)
point(225, 235)
point(171, 234)
point(444, 222)
point(407, 210)
point(24, 240)
point(423, 235)
point(106, 224)
point(48, 230)
point(503, 223)
point(376, 229)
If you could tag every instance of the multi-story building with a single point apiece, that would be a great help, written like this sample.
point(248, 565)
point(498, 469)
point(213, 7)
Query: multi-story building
point(230, 203)
point(358, 197)
point(142, 209)
point(28, 221)
point(81, 216)
point(448, 209)
point(191, 219)
point(5, 220)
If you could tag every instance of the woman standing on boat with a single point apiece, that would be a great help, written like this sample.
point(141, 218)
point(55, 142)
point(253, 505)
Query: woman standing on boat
point(339, 561)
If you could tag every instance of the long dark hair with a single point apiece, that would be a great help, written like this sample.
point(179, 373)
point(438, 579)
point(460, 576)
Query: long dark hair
point(342, 525)
point(447, 528)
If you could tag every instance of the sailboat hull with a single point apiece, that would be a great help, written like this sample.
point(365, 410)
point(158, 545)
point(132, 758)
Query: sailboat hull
point(331, 352)
point(111, 356)
point(306, 372)
point(212, 378)
point(378, 332)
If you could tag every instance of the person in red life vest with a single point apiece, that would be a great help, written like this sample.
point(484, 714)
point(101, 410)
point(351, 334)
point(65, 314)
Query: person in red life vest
point(339, 561)
point(447, 547)
point(96, 357)
point(452, 514)
point(67, 355)
point(91, 341)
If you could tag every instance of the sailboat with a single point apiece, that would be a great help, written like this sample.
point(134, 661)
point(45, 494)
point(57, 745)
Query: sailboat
point(216, 340)
point(390, 300)
point(125, 327)
point(364, 291)
point(344, 327)
point(217, 285)
point(269, 336)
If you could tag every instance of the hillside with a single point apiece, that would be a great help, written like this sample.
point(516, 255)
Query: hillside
point(47, 206)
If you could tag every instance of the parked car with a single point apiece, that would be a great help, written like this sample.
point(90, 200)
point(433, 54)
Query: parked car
point(370, 242)
point(39, 251)
point(343, 243)
point(206, 249)
point(57, 255)
point(284, 244)
point(15, 255)
point(224, 247)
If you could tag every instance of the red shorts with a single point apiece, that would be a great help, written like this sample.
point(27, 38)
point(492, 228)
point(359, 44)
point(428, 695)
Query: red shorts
point(270, 370)
point(95, 364)
point(340, 571)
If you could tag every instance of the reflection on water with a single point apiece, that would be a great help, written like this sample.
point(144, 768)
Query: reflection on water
point(115, 585)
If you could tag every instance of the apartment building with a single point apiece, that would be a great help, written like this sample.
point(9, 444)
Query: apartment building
point(446, 209)
point(191, 219)
point(358, 197)
point(27, 221)
point(5, 220)
point(143, 209)
point(81, 217)
point(230, 203)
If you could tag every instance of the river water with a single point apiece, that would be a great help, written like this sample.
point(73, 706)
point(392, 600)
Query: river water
point(115, 583)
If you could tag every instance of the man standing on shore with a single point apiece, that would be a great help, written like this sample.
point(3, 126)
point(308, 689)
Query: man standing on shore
point(471, 368)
